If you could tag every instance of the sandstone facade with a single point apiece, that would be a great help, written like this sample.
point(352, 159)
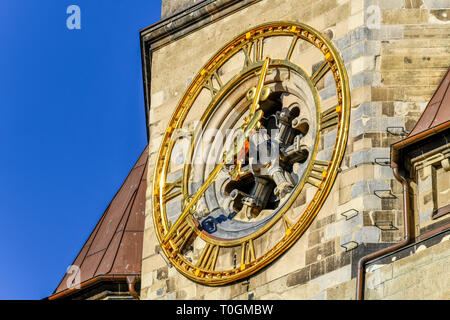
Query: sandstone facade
point(396, 52)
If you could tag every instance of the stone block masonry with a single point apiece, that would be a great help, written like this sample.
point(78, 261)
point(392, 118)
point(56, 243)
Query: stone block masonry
point(393, 72)
point(422, 275)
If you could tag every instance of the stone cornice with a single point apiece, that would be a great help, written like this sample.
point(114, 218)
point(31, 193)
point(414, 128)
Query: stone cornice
point(182, 23)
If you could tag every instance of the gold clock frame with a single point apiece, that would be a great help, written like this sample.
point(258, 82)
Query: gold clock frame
point(338, 115)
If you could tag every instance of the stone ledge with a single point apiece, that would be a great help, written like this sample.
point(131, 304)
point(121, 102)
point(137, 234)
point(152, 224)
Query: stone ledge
point(182, 23)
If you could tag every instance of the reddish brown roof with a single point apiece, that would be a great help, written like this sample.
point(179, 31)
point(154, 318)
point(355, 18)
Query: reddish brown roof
point(434, 119)
point(114, 247)
point(437, 111)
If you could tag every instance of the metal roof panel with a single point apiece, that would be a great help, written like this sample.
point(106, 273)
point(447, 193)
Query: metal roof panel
point(115, 245)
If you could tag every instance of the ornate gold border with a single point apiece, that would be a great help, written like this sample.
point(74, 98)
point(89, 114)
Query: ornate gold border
point(336, 64)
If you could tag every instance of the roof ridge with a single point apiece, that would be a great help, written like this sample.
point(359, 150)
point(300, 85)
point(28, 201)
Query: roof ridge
point(424, 113)
point(443, 96)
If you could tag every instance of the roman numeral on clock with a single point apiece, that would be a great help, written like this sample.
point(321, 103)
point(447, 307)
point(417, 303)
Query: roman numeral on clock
point(287, 225)
point(247, 254)
point(291, 48)
point(210, 84)
point(330, 117)
point(208, 258)
point(321, 72)
point(253, 51)
point(169, 187)
point(318, 173)
point(183, 234)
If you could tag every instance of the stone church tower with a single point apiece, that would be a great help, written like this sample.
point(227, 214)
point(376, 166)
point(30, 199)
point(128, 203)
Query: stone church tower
point(396, 53)
point(374, 76)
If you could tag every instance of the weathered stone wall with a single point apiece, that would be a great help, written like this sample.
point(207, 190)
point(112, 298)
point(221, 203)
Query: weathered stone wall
point(170, 7)
point(423, 275)
point(393, 71)
point(403, 64)
point(432, 189)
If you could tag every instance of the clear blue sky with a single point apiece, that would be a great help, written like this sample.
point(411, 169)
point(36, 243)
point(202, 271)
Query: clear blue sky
point(72, 124)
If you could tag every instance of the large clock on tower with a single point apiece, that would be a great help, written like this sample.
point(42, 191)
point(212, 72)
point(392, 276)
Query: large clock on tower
point(242, 169)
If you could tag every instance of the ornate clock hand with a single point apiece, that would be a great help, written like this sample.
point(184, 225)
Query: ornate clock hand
point(275, 222)
point(228, 156)
point(211, 178)
point(251, 121)
point(240, 141)
point(260, 86)
point(236, 173)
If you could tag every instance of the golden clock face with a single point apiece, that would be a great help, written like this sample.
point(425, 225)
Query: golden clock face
point(251, 152)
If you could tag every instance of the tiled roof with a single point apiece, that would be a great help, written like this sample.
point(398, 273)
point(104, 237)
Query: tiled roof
point(114, 247)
